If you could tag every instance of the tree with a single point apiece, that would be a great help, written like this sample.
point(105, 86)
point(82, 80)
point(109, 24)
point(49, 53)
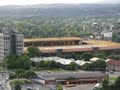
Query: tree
point(23, 61)
point(117, 84)
point(99, 65)
point(12, 76)
point(30, 74)
point(59, 87)
point(101, 55)
point(11, 61)
point(105, 84)
point(16, 62)
point(52, 64)
point(33, 51)
point(67, 56)
point(72, 66)
point(42, 64)
point(87, 56)
point(20, 73)
point(17, 86)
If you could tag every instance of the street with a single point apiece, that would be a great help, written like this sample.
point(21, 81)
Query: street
point(3, 81)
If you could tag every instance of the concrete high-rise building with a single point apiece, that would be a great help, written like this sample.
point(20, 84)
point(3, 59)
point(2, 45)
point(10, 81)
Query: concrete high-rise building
point(11, 42)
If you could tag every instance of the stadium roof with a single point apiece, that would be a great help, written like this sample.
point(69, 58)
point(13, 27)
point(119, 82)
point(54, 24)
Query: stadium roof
point(52, 39)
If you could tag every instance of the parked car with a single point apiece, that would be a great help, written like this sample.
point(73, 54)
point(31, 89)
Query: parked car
point(29, 88)
point(0, 83)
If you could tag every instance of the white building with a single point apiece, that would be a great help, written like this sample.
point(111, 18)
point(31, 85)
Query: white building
point(107, 34)
point(11, 42)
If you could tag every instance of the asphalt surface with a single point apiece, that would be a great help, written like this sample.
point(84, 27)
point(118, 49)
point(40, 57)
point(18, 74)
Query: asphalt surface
point(81, 87)
point(114, 74)
point(3, 81)
point(35, 87)
point(77, 87)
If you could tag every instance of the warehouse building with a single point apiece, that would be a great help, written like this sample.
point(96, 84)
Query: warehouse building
point(65, 78)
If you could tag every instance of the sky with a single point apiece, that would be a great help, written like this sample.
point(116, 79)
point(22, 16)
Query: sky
point(31, 2)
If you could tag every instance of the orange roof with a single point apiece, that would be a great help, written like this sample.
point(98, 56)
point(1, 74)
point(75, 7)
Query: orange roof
point(52, 39)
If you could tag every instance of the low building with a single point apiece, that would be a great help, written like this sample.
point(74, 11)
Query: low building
point(62, 61)
point(107, 35)
point(113, 65)
point(65, 78)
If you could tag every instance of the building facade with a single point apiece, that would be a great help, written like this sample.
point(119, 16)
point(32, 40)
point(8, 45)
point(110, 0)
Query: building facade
point(11, 42)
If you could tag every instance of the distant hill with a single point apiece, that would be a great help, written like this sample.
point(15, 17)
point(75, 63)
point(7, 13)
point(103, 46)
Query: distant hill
point(65, 10)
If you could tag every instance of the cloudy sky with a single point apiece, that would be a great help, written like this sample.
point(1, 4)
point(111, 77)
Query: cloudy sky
point(30, 2)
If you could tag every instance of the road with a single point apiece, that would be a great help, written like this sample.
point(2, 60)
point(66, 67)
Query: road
point(114, 74)
point(3, 80)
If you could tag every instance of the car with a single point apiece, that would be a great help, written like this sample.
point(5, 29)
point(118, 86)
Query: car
point(2, 87)
point(29, 88)
point(0, 83)
point(7, 78)
point(97, 85)
point(35, 88)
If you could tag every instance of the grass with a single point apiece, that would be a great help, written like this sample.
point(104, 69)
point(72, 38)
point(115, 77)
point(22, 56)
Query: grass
point(101, 42)
point(113, 78)
point(20, 81)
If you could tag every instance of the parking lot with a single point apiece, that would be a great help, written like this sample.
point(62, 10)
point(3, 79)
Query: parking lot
point(41, 87)
point(35, 87)
point(81, 87)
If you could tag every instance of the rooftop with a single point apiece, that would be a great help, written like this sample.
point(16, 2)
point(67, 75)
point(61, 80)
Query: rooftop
point(94, 59)
point(60, 60)
point(114, 62)
point(52, 39)
point(66, 75)
point(102, 45)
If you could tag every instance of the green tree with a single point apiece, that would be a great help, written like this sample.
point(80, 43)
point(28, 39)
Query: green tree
point(87, 56)
point(30, 74)
point(12, 76)
point(52, 64)
point(99, 65)
point(72, 66)
point(42, 64)
point(11, 61)
point(101, 55)
point(59, 87)
point(33, 51)
point(20, 73)
point(23, 61)
point(117, 84)
point(16, 62)
point(17, 86)
point(105, 85)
